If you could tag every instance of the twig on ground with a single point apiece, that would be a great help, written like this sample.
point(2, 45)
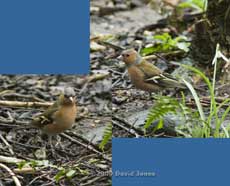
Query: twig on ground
point(24, 104)
point(7, 144)
point(90, 182)
point(83, 139)
point(90, 147)
point(111, 45)
point(12, 121)
point(25, 170)
point(130, 131)
point(25, 145)
point(13, 94)
point(36, 178)
point(5, 159)
point(16, 180)
point(128, 125)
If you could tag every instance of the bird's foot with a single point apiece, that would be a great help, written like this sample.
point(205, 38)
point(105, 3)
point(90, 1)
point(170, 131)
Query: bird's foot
point(52, 148)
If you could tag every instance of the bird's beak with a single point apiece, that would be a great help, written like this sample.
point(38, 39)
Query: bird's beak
point(71, 98)
point(120, 57)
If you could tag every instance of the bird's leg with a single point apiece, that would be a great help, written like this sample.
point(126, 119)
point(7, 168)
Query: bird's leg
point(44, 138)
point(58, 139)
point(50, 140)
point(152, 95)
point(172, 94)
point(47, 139)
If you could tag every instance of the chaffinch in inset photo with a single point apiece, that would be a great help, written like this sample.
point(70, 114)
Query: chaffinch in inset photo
point(60, 116)
point(54, 119)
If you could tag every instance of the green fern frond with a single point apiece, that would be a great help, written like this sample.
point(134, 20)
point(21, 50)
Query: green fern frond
point(162, 106)
point(107, 136)
point(168, 105)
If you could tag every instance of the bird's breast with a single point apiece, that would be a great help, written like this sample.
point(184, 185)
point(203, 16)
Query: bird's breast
point(136, 75)
point(66, 116)
point(63, 120)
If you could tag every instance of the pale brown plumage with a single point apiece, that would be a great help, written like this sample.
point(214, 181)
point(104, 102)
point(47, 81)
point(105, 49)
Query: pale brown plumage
point(146, 76)
point(58, 117)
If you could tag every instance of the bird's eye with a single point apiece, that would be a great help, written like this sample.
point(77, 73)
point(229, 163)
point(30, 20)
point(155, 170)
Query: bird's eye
point(127, 55)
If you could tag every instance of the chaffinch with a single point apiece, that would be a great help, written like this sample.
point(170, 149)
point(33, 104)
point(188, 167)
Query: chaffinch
point(146, 76)
point(60, 116)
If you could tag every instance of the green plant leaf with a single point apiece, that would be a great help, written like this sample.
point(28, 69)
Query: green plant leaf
point(165, 43)
point(107, 136)
point(61, 173)
point(183, 46)
point(160, 125)
point(162, 106)
point(200, 5)
point(70, 173)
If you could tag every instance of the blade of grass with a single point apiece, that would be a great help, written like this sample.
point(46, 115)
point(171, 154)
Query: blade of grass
point(215, 110)
point(197, 100)
point(211, 90)
point(225, 132)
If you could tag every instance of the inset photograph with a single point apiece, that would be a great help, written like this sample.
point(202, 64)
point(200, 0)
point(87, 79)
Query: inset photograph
point(55, 129)
point(169, 68)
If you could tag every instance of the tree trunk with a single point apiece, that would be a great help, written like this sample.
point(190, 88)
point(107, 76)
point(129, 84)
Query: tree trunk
point(213, 29)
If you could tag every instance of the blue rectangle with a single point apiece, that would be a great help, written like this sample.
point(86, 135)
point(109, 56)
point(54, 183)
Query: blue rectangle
point(165, 162)
point(44, 36)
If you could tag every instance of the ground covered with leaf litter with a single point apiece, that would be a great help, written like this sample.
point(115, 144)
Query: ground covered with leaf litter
point(76, 158)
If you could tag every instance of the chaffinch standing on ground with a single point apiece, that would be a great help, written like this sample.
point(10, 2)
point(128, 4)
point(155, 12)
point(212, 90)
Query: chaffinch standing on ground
point(60, 116)
point(146, 76)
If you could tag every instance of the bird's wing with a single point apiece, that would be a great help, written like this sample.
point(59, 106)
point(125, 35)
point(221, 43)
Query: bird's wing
point(165, 80)
point(149, 69)
point(49, 113)
point(46, 117)
point(153, 74)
